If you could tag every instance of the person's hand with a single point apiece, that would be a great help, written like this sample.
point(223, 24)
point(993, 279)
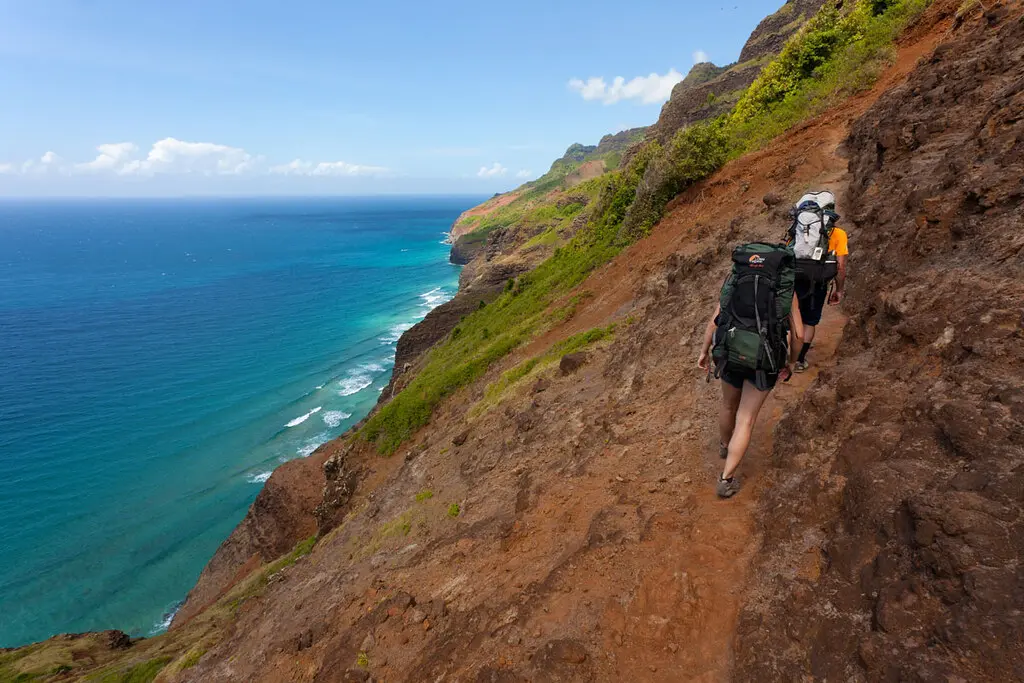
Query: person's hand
point(702, 362)
point(836, 296)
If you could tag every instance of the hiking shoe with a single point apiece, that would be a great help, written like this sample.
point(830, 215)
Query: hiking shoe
point(727, 488)
point(801, 366)
point(723, 451)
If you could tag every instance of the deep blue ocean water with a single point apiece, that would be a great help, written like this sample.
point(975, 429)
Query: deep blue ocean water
point(158, 358)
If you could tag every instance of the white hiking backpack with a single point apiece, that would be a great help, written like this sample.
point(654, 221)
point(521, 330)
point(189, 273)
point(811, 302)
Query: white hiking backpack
point(813, 219)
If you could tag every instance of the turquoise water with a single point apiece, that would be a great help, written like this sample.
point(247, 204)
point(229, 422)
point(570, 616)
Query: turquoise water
point(159, 358)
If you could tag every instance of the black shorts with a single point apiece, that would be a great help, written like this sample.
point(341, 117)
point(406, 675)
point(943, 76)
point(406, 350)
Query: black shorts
point(735, 377)
point(812, 299)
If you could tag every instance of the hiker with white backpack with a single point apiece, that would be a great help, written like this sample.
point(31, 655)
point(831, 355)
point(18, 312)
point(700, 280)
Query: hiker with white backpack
point(821, 249)
point(747, 345)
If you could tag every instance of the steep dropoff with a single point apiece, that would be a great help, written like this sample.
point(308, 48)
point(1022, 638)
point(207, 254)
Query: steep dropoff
point(281, 514)
point(894, 520)
point(586, 542)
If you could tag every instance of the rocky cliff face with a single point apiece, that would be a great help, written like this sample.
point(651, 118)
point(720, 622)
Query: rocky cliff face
point(281, 514)
point(709, 91)
point(774, 30)
point(894, 518)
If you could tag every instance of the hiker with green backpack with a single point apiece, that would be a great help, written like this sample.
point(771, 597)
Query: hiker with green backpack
point(747, 344)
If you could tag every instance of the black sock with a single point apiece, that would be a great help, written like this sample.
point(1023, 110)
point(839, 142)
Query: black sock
point(803, 352)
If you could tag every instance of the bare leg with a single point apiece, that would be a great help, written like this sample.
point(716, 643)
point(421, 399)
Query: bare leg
point(808, 334)
point(750, 405)
point(727, 414)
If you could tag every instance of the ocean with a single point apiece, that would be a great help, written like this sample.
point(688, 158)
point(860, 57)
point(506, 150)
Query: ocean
point(159, 358)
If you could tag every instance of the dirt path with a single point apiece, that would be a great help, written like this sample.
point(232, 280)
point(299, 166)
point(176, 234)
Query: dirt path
point(589, 544)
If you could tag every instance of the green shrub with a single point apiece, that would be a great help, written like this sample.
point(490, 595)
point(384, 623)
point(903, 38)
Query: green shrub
point(695, 153)
point(454, 510)
point(834, 55)
point(424, 495)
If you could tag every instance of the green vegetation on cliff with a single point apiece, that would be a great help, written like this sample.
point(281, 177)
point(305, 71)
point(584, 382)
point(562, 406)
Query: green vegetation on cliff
point(834, 54)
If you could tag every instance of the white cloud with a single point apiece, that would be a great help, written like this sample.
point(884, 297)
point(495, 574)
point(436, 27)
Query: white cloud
point(112, 157)
point(495, 171)
point(700, 56)
point(326, 168)
point(524, 174)
point(48, 163)
point(172, 156)
point(647, 89)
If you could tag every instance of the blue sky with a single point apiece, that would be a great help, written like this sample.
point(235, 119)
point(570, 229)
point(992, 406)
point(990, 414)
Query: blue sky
point(112, 97)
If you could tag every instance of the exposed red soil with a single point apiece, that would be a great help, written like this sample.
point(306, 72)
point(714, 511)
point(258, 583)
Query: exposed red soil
point(589, 544)
point(586, 171)
point(492, 204)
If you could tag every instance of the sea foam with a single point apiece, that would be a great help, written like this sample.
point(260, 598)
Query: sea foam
point(333, 418)
point(302, 418)
point(258, 478)
point(434, 298)
point(312, 444)
point(360, 377)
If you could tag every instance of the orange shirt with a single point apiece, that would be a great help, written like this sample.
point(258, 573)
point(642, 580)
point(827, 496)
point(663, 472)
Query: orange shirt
point(838, 243)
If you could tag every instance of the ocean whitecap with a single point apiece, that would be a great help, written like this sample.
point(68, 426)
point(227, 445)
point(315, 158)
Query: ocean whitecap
point(434, 298)
point(333, 418)
point(258, 478)
point(353, 384)
point(311, 445)
point(394, 333)
point(302, 418)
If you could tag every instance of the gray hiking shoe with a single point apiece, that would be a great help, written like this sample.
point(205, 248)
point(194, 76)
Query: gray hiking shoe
point(723, 451)
point(801, 366)
point(727, 488)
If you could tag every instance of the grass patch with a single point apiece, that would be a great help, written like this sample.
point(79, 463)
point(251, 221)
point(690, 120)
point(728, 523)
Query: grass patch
point(423, 496)
point(399, 526)
point(454, 510)
point(546, 238)
point(140, 673)
point(191, 659)
point(255, 586)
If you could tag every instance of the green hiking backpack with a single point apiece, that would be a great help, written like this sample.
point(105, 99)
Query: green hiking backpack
point(753, 325)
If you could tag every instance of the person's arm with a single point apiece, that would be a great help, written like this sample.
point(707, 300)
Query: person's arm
point(796, 323)
point(709, 333)
point(840, 291)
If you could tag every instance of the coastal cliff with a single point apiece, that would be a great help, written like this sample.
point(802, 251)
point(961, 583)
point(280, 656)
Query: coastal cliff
point(544, 512)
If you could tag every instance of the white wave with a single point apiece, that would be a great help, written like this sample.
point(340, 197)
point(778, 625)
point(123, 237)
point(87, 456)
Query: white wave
point(319, 386)
point(353, 384)
point(434, 298)
point(361, 377)
point(312, 444)
point(395, 333)
point(258, 478)
point(447, 238)
point(333, 418)
point(165, 621)
point(302, 418)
